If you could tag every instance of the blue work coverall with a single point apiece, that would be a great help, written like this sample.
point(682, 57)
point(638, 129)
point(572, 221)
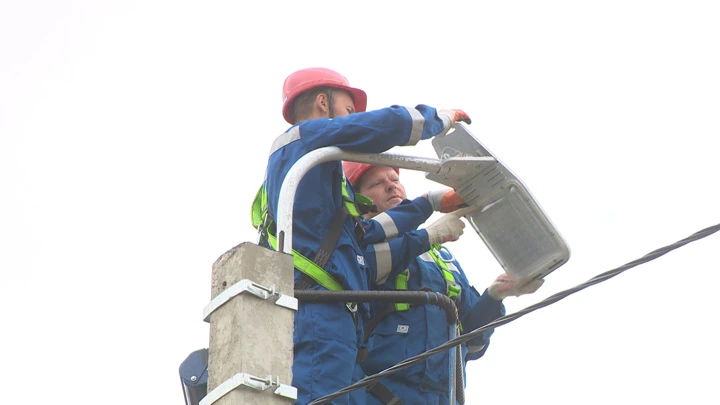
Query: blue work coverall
point(400, 241)
point(327, 336)
point(403, 334)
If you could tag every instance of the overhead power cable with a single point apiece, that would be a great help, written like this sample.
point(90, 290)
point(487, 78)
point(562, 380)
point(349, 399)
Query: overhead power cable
point(511, 317)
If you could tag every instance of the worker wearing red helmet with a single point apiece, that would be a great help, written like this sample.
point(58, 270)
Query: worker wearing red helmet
point(324, 110)
point(403, 331)
point(390, 253)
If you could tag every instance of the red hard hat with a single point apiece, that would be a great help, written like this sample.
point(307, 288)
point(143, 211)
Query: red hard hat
point(306, 79)
point(353, 170)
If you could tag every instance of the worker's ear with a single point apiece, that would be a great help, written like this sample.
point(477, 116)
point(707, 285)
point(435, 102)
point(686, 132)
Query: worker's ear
point(321, 104)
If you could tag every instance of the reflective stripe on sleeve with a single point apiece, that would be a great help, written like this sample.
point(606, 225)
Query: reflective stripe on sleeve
point(383, 258)
point(387, 224)
point(418, 122)
point(288, 137)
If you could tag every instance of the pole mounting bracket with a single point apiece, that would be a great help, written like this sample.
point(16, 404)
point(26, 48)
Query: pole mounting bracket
point(253, 288)
point(250, 381)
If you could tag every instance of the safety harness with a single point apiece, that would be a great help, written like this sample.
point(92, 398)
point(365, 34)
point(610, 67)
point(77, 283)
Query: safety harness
point(313, 270)
point(452, 289)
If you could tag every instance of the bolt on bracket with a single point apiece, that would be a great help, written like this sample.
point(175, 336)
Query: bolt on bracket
point(253, 288)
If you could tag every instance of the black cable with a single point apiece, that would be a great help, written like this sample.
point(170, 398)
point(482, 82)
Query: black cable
point(511, 317)
point(410, 297)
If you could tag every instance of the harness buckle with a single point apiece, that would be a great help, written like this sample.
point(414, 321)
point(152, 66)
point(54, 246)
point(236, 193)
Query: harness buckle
point(352, 307)
point(454, 292)
point(264, 226)
point(439, 256)
point(359, 229)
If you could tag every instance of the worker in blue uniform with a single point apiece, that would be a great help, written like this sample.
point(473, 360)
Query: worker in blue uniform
point(402, 331)
point(389, 253)
point(324, 110)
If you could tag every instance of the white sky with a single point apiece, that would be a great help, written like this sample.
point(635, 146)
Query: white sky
point(134, 134)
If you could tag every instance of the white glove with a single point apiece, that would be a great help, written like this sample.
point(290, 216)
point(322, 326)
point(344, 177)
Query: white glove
point(449, 227)
point(505, 286)
point(450, 117)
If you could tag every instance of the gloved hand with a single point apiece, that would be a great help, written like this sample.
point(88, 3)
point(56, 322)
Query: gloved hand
point(445, 200)
point(505, 286)
point(449, 227)
point(450, 117)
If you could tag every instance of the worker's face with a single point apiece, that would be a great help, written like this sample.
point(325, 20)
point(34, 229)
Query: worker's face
point(342, 103)
point(382, 185)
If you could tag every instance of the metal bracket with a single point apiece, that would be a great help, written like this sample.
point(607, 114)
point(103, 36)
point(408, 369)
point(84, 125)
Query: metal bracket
point(247, 380)
point(253, 288)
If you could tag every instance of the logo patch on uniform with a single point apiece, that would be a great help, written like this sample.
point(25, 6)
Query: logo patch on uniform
point(403, 329)
point(361, 260)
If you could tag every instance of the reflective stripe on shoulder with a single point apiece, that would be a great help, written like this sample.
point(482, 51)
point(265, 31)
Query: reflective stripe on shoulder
point(418, 122)
point(383, 258)
point(426, 257)
point(387, 224)
point(475, 349)
point(288, 137)
point(451, 267)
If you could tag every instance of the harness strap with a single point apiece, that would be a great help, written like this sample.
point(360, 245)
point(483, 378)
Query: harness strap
point(370, 326)
point(312, 271)
point(383, 393)
point(327, 246)
point(452, 289)
point(401, 284)
point(364, 204)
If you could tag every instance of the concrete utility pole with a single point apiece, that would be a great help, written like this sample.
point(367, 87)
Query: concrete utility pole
point(251, 328)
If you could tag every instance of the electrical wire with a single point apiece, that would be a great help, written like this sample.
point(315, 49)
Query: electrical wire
point(511, 317)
